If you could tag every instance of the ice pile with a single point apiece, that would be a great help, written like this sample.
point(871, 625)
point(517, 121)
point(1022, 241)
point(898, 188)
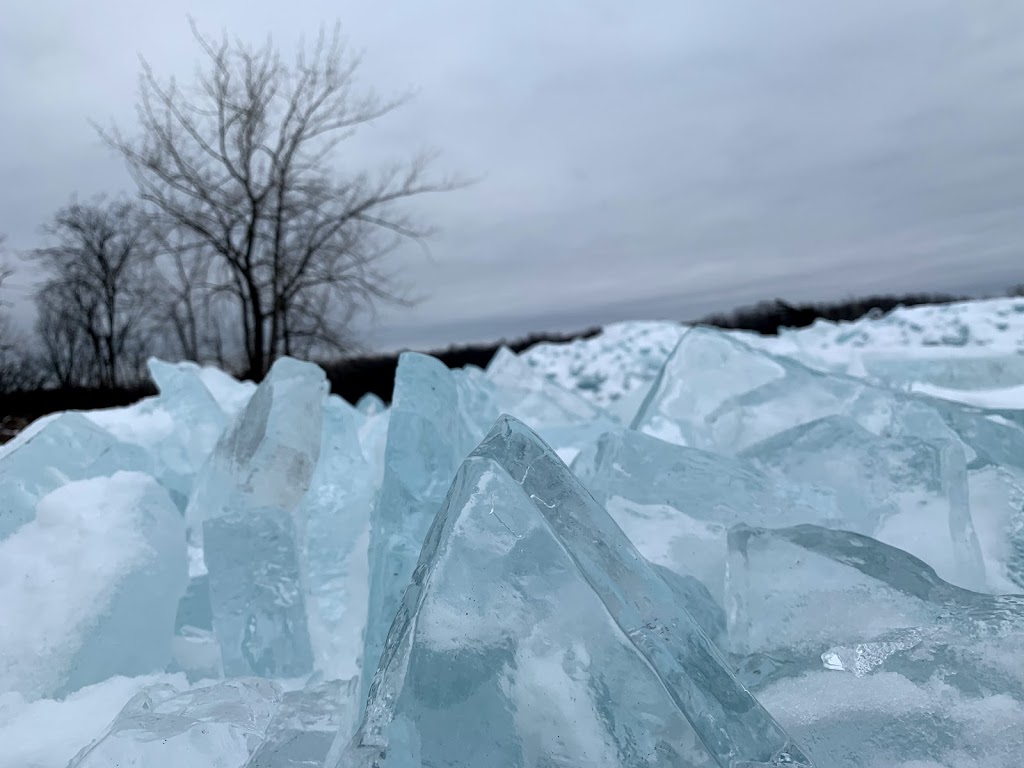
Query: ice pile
point(661, 546)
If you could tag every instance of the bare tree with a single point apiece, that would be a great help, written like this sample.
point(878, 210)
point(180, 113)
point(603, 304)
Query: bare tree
point(18, 366)
point(93, 305)
point(241, 166)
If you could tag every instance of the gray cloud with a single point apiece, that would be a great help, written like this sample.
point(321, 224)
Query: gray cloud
point(654, 159)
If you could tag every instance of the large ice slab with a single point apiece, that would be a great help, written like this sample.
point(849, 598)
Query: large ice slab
point(436, 418)
point(534, 633)
point(334, 530)
point(219, 726)
point(676, 504)
point(900, 665)
point(65, 448)
point(90, 587)
point(197, 418)
point(903, 490)
point(267, 455)
point(245, 503)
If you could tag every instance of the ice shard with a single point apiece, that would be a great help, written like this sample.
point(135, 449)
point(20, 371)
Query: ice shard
point(900, 489)
point(219, 726)
point(899, 665)
point(533, 633)
point(245, 503)
point(676, 504)
point(334, 529)
point(89, 587)
point(436, 418)
point(267, 455)
point(306, 723)
point(196, 423)
point(707, 369)
point(65, 448)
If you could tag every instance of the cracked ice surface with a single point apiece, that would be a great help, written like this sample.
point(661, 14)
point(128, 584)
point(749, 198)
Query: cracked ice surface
point(798, 550)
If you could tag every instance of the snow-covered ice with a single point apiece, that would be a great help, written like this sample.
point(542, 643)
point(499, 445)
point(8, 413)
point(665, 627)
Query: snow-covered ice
point(678, 547)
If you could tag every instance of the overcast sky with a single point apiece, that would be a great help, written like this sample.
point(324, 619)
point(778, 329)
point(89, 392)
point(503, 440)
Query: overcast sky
point(659, 159)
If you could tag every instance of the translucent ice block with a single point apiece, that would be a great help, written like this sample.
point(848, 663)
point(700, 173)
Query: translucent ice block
point(334, 528)
point(436, 419)
point(533, 633)
point(267, 455)
point(676, 504)
point(903, 490)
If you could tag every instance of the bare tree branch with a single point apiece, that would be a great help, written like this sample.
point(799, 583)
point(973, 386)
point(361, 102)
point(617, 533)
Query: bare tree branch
point(242, 169)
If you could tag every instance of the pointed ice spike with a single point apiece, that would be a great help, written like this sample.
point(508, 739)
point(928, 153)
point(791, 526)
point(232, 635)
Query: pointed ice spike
point(333, 522)
point(267, 455)
point(244, 505)
point(436, 419)
point(533, 633)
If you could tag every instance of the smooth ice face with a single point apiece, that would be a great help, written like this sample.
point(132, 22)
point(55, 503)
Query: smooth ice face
point(267, 455)
point(877, 660)
point(197, 418)
point(306, 723)
point(334, 529)
point(90, 587)
point(902, 490)
point(244, 503)
point(676, 504)
point(706, 369)
point(67, 447)
point(256, 595)
point(162, 727)
point(436, 419)
point(533, 633)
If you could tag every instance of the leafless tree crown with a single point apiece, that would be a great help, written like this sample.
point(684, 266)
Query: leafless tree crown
point(93, 305)
point(240, 174)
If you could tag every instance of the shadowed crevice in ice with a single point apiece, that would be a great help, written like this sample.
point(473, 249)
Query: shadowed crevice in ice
point(533, 627)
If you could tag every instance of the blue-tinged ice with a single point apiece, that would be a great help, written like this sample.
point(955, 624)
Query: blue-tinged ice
point(245, 502)
point(219, 726)
point(901, 489)
point(676, 504)
point(370, 404)
point(875, 660)
point(89, 587)
point(533, 633)
point(306, 723)
point(196, 419)
point(436, 418)
point(334, 530)
point(64, 448)
point(267, 455)
point(707, 369)
point(259, 612)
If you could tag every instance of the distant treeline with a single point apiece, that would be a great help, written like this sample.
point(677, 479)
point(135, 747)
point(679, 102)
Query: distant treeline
point(768, 317)
point(353, 377)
